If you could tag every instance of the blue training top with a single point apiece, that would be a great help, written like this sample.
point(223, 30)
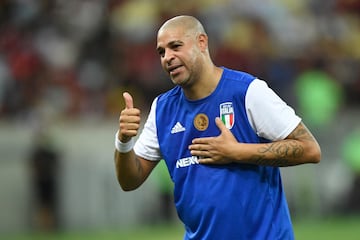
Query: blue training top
point(233, 201)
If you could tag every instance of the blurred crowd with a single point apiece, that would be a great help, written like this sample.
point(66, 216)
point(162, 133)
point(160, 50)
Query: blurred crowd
point(74, 58)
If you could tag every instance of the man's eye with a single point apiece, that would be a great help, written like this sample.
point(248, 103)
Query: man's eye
point(161, 53)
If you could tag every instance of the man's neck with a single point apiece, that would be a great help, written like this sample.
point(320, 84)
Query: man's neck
point(205, 85)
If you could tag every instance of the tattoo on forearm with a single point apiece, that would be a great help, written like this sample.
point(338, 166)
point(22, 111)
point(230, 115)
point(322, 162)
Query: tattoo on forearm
point(283, 150)
point(284, 153)
point(301, 132)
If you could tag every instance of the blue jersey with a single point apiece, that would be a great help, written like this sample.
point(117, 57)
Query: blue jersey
point(233, 201)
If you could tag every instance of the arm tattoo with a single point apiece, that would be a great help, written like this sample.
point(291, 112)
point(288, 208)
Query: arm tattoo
point(287, 149)
point(286, 152)
point(301, 132)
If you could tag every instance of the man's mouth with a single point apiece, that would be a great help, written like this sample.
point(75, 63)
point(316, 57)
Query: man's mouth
point(174, 69)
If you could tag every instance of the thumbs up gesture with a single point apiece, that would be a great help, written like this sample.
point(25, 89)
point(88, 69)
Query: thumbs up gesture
point(129, 120)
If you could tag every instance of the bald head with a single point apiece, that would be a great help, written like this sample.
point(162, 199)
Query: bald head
point(188, 24)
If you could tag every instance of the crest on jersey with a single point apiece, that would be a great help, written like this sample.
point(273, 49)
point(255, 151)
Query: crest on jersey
point(201, 122)
point(227, 114)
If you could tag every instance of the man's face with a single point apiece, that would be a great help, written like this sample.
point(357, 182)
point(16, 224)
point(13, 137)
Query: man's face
point(178, 54)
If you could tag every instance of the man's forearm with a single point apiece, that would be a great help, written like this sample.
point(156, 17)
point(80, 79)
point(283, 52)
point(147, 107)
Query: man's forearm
point(288, 152)
point(128, 170)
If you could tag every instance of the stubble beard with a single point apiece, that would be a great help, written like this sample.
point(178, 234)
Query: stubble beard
point(188, 76)
point(186, 81)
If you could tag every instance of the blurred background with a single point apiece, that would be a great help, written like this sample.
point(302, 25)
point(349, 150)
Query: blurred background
point(65, 63)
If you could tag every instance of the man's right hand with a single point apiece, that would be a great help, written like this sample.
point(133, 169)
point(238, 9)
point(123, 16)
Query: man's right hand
point(129, 120)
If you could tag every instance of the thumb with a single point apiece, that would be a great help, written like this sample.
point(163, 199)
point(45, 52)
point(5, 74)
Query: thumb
point(220, 124)
point(129, 103)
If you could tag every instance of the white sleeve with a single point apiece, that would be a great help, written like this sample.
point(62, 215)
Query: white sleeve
point(147, 145)
point(269, 115)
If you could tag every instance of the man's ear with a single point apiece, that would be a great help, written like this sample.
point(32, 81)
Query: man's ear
point(203, 42)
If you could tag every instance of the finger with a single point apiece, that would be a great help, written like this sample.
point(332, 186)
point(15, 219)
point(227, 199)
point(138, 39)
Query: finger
point(129, 117)
point(129, 103)
point(200, 154)
point(128, 133)
point(206, 160)
point(204, 140)
point(200, 146)
point(129, 126)
point(220, 124)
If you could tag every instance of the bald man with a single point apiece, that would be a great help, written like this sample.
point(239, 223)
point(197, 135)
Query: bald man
point(223, 135)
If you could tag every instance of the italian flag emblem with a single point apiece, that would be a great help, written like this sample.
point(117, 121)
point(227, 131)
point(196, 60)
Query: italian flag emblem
point(227, 114)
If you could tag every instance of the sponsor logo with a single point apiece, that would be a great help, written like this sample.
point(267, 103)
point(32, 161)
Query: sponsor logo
point(185, 162)
point(227, 114)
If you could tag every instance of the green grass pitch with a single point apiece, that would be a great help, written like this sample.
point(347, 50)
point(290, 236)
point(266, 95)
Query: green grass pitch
point(321, 229)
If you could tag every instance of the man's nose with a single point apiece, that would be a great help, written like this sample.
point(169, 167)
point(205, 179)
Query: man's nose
point(168, 56)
